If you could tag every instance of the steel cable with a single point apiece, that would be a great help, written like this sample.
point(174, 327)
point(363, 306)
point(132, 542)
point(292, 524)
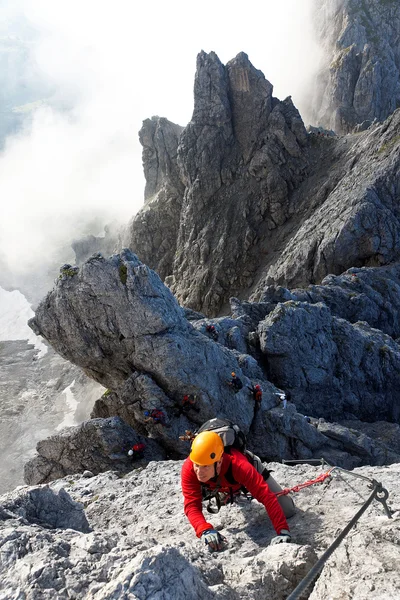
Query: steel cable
point(317, 568)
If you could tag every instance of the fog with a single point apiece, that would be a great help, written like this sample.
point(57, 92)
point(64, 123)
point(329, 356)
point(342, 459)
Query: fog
point(110, 65)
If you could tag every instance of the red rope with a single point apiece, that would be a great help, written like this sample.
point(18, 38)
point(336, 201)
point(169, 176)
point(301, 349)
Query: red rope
point(299, 487)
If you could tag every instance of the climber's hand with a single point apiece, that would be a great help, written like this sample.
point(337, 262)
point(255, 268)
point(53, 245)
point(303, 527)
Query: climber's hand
point(283, 538)
point(214, 540)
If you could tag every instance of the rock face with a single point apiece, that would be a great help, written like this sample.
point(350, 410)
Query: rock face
point(237, 163)
point(96, 446)
point(333, 368)
point(357, 223)
point(107, 537)
point(155, 228)
point(116, 320)
point(366, 294)
point(243, 197)
point(360, 79)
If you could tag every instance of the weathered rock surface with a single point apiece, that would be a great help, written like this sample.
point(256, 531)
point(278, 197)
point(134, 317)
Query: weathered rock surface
point(154, 229)
point(238, 160)
point(250, 199)
point(128, 537)
point(357, 224)
point(332, 368)
point(359, 81)
point(116, 319)
point(366, 294)
point(97, 445)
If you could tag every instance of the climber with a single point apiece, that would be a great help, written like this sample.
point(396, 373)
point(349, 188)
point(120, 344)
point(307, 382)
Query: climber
point(208, 467)
point(189, 402)
point(235, 383)
point(137, 451)
point(155, 416)
point(212, 331)
point(257, 393)
point(188, 436)
point(282, 399)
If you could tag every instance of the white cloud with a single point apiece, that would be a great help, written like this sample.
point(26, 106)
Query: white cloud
point(118, 63)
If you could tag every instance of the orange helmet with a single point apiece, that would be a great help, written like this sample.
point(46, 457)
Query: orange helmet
point(207, 448)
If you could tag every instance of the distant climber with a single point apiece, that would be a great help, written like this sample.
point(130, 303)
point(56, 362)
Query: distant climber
point(282, 399)
point(189, 403)
point(188, 436)
point(156, 416)
point(137, 451)
point(209, 467)
point(235, 383)
point(212, 332)
point(257, 393)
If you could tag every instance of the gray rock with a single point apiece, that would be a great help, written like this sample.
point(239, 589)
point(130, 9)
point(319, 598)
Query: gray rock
point(153, 232)
point(245, 198)
point(92, 447)
point(352, 220)
point(140, 543)
point(43, 507)
point(137, 341)
point(241, 143)
point(366, 294)
point(360, 79)
point(331, 367)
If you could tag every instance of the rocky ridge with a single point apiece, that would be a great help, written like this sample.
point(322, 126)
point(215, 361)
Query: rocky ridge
point(244, 197)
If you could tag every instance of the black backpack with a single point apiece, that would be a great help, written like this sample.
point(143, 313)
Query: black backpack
point(231, 434)
point(232, 437)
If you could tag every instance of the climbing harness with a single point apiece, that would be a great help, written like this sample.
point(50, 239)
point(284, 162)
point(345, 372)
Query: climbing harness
point(378, 493)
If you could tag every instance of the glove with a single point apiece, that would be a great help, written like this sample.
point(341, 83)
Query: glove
point(214, 540)
point(283, 538)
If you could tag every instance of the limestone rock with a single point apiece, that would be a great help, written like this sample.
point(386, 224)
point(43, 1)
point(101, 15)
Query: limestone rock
point(353, 221)
point(360, 79)
point(116, 319)
point(136, 541)
point(94, 446)
point(366, 294)
point(244, 198)
point(244, 152)
point(331, 367)
point(153, 232)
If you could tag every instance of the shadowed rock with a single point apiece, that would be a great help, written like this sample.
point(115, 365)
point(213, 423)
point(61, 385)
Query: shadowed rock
point(333, 368)
point(96, 446)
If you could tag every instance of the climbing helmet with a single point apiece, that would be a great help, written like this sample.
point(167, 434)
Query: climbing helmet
point(207, 448)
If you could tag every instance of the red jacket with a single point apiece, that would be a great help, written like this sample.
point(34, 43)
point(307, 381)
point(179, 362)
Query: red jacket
point(244, 474)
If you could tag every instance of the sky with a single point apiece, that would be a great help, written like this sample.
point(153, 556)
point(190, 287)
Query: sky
point(115, 64)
